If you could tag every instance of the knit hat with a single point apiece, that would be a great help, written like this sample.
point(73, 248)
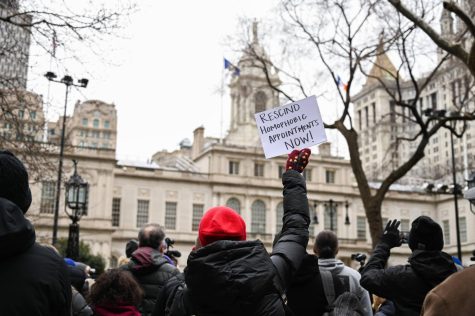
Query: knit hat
point(425, 234)
point(14, 181)
point(221, 223)
point(130, 247)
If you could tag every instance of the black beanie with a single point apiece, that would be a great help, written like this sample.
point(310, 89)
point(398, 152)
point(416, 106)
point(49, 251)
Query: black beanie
point(14, 184)
point(425, 234)
point(130, 247)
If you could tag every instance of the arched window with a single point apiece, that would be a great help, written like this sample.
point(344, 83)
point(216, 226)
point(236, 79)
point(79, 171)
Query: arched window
point(260, 100)
point(258, 217)
point(234, 204)
point(279, 213)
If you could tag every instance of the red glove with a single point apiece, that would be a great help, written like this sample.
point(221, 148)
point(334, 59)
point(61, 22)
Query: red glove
point(298, 159)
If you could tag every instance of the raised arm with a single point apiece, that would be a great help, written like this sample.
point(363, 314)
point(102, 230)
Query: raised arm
point(291, 243)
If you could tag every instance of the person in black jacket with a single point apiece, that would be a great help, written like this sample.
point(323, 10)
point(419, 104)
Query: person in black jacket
point(228, 275)
point(33, 278)
point(149, 267)
point(407, 285)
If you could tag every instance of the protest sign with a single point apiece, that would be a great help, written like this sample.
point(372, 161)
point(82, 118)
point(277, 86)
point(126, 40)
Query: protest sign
point(293, 126)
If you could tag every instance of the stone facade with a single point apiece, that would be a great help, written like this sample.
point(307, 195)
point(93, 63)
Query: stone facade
point(380, 122)
point(14, 45)
point(21, 116)
point(92, 125)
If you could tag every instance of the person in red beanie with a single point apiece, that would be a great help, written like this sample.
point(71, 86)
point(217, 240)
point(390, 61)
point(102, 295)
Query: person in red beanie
point(229, 275)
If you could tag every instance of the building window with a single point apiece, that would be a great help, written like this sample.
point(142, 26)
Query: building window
point(446, 228)
point(373, 106)
point(107, 124)
point(281, 171)
point(307, 174)
point(258, 169)
point(84, 122)
point(405, 225)
point(433, 99)
point(258, 217)
point(95, 123)
point(197, 215)
point(359, 119)
point(329, 176)
point(170, 215)
point(142, 212)
point(279, 213)
point(234, 204)
point(21, 114)
point(106, 135)
point(330, 218)
point(463, 229)
point(392, 111)
point(361, 227)
point(233, 167)
point(115, 212)
point(33, 115)
point(366, 115)
point(260, 100)
point(311, 227)
point(48, 196)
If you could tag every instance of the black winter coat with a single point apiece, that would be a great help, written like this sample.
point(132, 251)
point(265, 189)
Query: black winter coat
point(152, 271)
point(33, 278)
point(238, 277)
point(406, 285)
point(305, 294)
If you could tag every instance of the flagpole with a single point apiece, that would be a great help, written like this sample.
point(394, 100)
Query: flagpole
point(336, 111)
point(48, 99)
point(221, 92)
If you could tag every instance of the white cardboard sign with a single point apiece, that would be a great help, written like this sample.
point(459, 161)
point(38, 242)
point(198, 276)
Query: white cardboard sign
point(293, 126)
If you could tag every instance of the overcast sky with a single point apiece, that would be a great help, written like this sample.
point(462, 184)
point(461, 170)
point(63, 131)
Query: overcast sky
point(162, 75)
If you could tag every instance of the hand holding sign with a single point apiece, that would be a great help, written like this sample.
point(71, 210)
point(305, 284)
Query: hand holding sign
point(292, 126)
point(298, 159)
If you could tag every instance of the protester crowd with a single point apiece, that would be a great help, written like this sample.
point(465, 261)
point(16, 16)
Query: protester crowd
point(226, 274)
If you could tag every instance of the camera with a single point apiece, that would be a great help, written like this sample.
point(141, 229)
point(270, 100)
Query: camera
point(404, 237)
point(472, 258)
point(469, 194)
point(360, 257)
point(169, 252)
point(169, 242)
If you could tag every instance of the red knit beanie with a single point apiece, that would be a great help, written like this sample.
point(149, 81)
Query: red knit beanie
point(221, 223)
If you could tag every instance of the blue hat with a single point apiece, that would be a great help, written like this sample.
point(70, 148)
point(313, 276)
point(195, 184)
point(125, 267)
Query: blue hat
point(70, 262)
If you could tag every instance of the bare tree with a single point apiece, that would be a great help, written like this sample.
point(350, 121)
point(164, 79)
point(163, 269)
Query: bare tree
point(459, 46)
point(347, 40)
point(49, 26)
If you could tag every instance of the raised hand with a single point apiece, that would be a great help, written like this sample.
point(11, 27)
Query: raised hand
point(298, 160)
point(391, 235)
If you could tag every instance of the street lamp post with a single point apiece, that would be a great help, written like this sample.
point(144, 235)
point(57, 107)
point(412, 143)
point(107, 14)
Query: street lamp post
point(77, 191)
point(456, 203)
point(332, 210)
point(68, 82)
point(441, 114)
